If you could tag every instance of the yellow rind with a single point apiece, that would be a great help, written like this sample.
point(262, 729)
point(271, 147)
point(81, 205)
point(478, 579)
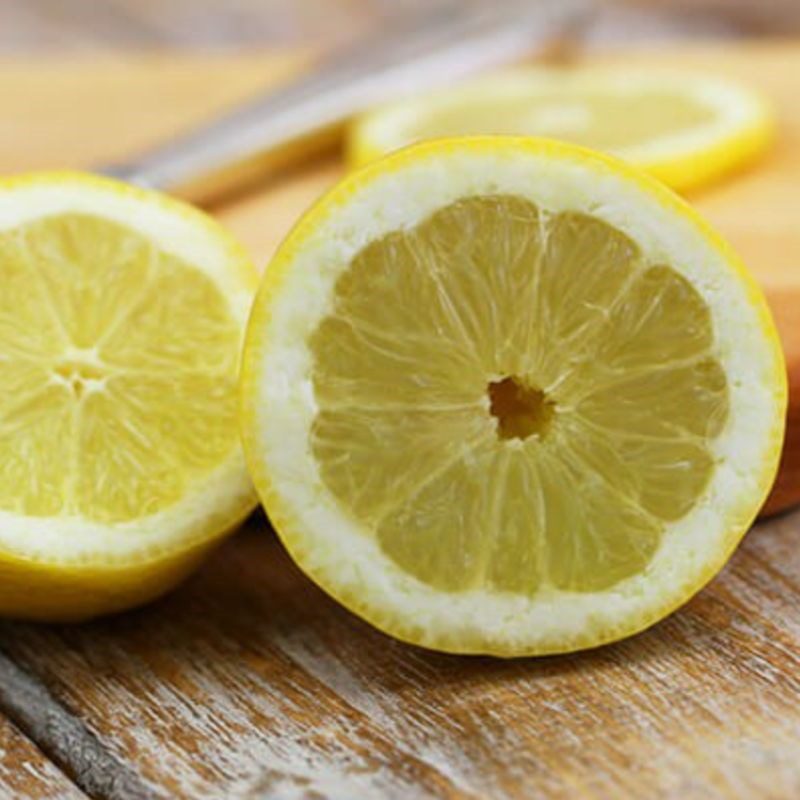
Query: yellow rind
point(239, 259)
point(735, 152)
point(62, 592)
point(59, 589)
point(740, 515)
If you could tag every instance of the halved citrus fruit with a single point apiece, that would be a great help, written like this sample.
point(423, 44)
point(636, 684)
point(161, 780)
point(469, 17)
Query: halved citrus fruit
point(686, 129)
point(505, 395)
point(121, 319)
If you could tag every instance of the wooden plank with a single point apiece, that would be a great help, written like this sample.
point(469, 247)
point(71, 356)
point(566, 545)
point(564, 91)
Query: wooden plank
point(26, 773)
point(65, 739)
point(249, 681)
point(83, 113)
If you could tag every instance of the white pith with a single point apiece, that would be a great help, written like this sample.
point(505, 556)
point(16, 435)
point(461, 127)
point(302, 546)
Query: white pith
point(346, 560)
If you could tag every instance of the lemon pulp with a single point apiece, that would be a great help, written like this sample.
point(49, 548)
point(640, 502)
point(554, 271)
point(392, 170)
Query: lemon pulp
point(607, 120)
point(515, 399)
point(118, 362)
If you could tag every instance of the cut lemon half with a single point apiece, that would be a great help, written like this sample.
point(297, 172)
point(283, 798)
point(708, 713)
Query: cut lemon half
point(686, 129)
point(505, 395)
point(121, 319)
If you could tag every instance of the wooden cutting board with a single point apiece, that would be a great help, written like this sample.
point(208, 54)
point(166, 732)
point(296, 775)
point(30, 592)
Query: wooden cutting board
point(249, 682)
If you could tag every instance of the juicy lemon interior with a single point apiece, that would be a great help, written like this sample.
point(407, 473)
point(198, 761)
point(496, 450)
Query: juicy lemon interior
point(600, 119)
point(118, 365)
point(515, 400)
point(607, 120)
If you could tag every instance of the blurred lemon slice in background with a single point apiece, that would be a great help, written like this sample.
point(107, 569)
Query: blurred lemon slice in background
point(505, 395)
point(686, 129)
point(121, 317)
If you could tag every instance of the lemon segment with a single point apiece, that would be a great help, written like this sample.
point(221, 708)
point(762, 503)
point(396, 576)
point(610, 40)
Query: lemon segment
point(120, 461)
point(503, 395)
point(685, 128)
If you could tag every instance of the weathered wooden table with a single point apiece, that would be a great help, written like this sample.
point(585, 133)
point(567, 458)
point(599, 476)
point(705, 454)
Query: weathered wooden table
point(249, 682)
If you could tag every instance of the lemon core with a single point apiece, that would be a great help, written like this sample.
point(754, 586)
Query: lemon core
point(521, 410)
point(118, 362)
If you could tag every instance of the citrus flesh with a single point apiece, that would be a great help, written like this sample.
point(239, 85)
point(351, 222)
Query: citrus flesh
point(119, 357)
point(402, 389)
point(510, 424)
point(687, 129)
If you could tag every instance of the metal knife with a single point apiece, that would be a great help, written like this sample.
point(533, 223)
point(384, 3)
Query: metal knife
point(235, 152)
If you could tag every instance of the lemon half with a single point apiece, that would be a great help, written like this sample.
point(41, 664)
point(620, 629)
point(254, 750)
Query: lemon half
point(504, 395)
point(687, 129)
point(121, 321)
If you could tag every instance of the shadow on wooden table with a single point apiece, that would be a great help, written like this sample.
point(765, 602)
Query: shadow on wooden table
point(251, 602)
point(249, 673)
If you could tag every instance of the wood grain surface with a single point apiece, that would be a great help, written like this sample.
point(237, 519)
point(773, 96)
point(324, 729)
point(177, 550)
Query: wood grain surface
point(26, 773)
point(248, 682)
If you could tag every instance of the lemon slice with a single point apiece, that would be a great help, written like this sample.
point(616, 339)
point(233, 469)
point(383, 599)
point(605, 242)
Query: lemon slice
point(686, 129)
point(121, 318)
point(504, 395)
